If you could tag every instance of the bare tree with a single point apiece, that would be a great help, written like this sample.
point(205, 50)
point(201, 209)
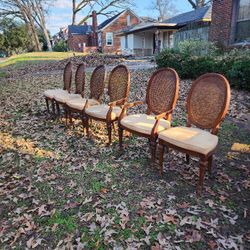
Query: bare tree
point(102, 7)
point(32, 12)
point(199, 3)
point(165, 8)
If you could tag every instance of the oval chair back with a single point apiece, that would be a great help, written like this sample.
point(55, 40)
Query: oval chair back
point(162, 91)
point(208, 101)
point(67, 77)
point(97, 82)
point(80, 79)
point(119, 83)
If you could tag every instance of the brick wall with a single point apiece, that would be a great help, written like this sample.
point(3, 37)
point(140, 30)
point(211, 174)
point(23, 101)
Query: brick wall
point(75, 40)
point(222, 26)
point(117, 25)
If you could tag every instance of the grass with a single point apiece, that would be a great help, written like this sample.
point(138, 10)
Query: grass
point(17, 61)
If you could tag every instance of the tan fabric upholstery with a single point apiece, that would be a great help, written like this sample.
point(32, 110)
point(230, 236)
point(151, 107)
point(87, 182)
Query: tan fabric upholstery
point(193, 139)
point(50, 93)
point(79, 103)
point(100, 111)
point(63, 97)
point(143, 123)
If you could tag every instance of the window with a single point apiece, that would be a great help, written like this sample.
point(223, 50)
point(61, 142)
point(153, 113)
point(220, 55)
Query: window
point(243, 22)
point(126, 41)
point(128, 20)
point(109, 39)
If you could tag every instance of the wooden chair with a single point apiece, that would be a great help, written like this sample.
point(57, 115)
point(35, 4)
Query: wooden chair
point(50, 93)
point(207, 105)
point(61, 98)
point(118, 90)
point(161, 98)
point(77, 105)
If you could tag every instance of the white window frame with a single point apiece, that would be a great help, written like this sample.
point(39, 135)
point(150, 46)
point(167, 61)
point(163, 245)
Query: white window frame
point(107, 38)
point(128, 20)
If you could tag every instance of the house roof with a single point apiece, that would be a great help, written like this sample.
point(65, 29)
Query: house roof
point(108, 21)
point(79, 29)
point(200, 14)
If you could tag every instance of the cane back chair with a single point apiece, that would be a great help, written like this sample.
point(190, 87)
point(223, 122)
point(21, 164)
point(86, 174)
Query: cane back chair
point(77, 105)
point(207, 105)
point(118, 90)
point(50, 93)
point(61, 98)
point(161, 98)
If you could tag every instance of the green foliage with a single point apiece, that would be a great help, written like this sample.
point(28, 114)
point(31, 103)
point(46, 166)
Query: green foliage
point(197, 48)
point(60, 46)
point(235, 65)
point(14, 38)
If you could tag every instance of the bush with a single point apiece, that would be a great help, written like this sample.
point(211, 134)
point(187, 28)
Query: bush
point(60, 46)
point(235, 65)
point(197, 48)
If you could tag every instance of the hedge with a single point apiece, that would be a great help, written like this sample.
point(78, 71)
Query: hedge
point(234, 65)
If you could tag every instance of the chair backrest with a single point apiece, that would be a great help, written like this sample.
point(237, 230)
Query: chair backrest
point(80, 79)
point(208, 101)
point(119, 83)
point(162, 91)
point(97, 82)
point(67, 76)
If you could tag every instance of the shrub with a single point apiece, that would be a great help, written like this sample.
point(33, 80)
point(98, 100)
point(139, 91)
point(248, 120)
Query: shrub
point(60, 46)
point(197, 48)
point(235, 65)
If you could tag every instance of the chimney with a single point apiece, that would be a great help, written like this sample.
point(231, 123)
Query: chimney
point(85, 23)
point(94, 28)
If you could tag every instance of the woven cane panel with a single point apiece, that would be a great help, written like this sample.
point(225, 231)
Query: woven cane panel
point(207, 101)
point(80, 79)
point(67, 76)
point(161, 91)
point(118, 83)
point(97, 82)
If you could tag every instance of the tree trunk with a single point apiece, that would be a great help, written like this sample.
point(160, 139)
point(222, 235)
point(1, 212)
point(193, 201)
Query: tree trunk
point(73, 12)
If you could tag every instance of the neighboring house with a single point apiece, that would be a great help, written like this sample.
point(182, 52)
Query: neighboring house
point(108, 41)
point(230, 25)
point(146, 39)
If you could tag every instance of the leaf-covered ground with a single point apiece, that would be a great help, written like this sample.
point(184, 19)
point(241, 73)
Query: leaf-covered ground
point(61, 190)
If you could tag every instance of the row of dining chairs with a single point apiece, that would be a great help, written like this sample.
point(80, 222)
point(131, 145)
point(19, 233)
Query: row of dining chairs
point(207, 105)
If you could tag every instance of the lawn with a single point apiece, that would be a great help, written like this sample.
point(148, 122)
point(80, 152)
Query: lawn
point(17, 61)
point(60, 190)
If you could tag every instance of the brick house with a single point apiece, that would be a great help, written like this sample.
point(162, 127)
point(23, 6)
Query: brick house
point(230, 25)
point(108, 41)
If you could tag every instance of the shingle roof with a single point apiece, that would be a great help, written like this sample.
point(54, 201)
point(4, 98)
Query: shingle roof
point(79, 29)
point(191, 16)
point(106, 22)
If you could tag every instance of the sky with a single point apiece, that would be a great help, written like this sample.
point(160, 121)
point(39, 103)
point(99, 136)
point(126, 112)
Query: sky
point(59, 14)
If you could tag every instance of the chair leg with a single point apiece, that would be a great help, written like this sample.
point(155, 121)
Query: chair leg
point(153, 149)
point(86, 124)
point(161, 154)
point(58, 109)
point(47, 105)
point(109, 128)
point(187, 158)
point(120, 131)
point(53, 107)
point(203, 166)
point(209, 166)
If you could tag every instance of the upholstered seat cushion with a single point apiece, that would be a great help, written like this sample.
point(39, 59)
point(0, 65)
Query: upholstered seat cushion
point(63, 97)
point(143, 123)
point(100, 111)
point(50, 93)
point(193, 139)
point(79, 103)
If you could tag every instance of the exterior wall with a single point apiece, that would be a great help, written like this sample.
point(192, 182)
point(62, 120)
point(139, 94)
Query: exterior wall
point(194, 31)
point(75, 40)
point(117, 25)
point(222, 25)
